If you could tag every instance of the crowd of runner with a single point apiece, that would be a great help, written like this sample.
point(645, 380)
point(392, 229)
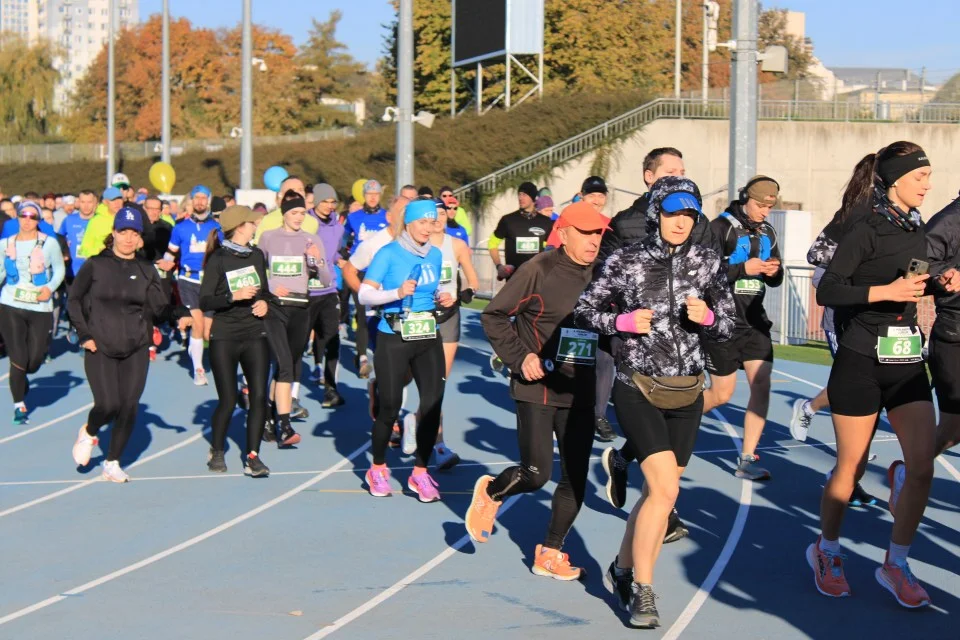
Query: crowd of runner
point(633, 309)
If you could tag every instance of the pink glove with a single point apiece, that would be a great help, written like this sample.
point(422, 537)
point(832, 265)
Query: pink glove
point(709, 319)
point(12, 249)
point(627, 323)
point(36, 261)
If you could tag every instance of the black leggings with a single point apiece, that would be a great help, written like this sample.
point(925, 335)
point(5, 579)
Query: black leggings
point(253, 356)
point(344, 296)
point(650, 430)
point(325, 321)
point(288, 329)
point(26, 335)
point(424, 358)
point(536, 424)
point(117, 384)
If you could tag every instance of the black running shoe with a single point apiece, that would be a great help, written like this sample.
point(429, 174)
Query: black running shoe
point(643, 608)
point(332, 399)
point(616, 468)
point(605, 432)
point(215, 461)
point(297, 411)
point(254, 467)
point(269, 431)
point(861, 498)
point(620, 586)
point(286, 436)
point(675, 528)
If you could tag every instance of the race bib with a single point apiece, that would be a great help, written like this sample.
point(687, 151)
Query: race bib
point(528, 245)
point(419, 326)
point(240, 278)
point(446, 273)
point(26, 293)
point(286, 266)
point(314, 284)
point(748, 287)
point(901, 345)
point(577, 347)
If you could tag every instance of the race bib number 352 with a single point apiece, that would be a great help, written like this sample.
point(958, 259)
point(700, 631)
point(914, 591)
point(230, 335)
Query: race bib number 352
point(577, 347)
point(286, 266)
point(240, 278)
point(901, 345)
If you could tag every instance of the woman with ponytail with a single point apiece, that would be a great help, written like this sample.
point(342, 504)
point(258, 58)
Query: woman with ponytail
point(873, 282)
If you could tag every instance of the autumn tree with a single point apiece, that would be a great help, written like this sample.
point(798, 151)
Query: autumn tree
point(326, 69)
point(27, 81)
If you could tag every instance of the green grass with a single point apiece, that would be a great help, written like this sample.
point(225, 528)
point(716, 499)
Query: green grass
point(811, 353)
point(477, 304)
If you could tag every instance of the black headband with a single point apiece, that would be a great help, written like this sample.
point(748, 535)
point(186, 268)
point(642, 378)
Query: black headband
point(293, 203)
point(892, 169)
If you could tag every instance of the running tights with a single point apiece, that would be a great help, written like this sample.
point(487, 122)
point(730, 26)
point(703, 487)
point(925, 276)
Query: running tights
point(392, 359)
point(325, 321)
point(606, 370)
point(117, 384)
point(536, 424)
point(288, 329)
point(253, 356)
point(26, 335)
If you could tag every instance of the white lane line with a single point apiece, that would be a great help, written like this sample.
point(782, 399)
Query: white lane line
point(10, 617)
point(733, 538)
point(404, 582)
point(807, 382)
point(20, 434)
point(87, 483)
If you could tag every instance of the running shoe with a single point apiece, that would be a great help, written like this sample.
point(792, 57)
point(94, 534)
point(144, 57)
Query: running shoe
point(395, 436)
point(243, 398)
point(317, 374)
point(800, 421)
point(444, 457)
point(286, 436)
point(253, 466)
point(896, 476)
point(424, 486)
point(616, 468)
point(861, 498)
point(157, 337)
point(20, 416)
point(496, 363)
point(216, 462)
point(643, 607)
point(828, 571)
point(482, 511)
point(153, 354)
point(200, 378)
point(619, 585)
point(605, 432)
point(332, 399)
point(297, 411)
point(899, 580)
point(83, 447)
point(676, 530)
point(269, 431)
point(113, 473)
point(378, 480)
point(748, 469)
point(365, 368)
point(409, 442)
point(552, 563)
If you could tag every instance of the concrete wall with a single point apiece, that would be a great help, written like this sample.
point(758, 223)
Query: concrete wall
point(812, 161)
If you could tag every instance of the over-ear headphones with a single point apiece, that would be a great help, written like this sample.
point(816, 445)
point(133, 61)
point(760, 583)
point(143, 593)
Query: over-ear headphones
point(744, 191)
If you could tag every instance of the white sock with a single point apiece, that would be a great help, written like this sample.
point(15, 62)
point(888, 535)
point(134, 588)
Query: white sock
point(833, 546)
point(196, 352)
point(295, 390)
point(808, 409)
point(897, 553)
point(20, 405)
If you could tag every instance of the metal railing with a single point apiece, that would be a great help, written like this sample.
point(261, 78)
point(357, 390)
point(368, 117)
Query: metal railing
point(65, 152)
point(711, 109)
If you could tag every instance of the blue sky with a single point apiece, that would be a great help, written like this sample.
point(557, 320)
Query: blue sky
point(844, 32)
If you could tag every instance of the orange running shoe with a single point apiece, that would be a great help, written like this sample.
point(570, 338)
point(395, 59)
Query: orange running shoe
point(899, 580)
point(827, 571)
point(482, 511)
point(555, 564)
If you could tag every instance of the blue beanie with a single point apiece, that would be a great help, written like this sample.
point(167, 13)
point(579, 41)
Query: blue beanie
point(200, 189)
point(420, 209)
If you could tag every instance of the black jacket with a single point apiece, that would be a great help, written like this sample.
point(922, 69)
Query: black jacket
point(943, 253)
point(233, 319)
point(115, 302)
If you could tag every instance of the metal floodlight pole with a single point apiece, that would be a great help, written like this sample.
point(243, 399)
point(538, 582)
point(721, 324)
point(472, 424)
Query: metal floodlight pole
point(678, 27)
point(743, 103)
point(111, 92)
point(405, 96)
point(246, 100)
point(165, 128)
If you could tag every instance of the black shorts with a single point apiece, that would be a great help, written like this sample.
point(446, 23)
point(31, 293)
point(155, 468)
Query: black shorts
point(190, 296)
point(449, 329)
point(945, 369)
point(860, 386)
point(745, 345)
point(650, 430)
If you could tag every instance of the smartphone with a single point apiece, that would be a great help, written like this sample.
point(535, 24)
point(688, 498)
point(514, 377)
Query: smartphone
point(917, 268)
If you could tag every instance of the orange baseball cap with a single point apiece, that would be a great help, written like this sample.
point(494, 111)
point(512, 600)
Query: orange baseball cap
point(581, 215)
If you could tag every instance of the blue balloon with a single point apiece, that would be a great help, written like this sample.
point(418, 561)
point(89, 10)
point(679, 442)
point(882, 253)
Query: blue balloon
point(274, 177)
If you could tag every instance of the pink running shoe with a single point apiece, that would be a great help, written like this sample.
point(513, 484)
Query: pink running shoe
point(424, 486)
point(378, 480)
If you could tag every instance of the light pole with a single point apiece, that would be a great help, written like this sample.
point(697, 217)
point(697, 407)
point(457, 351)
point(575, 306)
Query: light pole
point(165, 128)
point(404, 174)
point(111, 91)
point(676, 52)
point(246, 100)
point(743, 103)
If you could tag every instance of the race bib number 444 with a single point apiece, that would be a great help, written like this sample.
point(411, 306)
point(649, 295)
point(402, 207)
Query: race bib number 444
point(901, 345)
point(240, 278)
point(286, 266)
point(577, 347)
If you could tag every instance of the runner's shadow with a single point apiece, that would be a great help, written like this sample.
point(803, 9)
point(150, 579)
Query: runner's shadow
point(46, 391)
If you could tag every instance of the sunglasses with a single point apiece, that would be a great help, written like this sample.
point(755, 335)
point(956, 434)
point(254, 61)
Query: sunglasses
point(32, 215)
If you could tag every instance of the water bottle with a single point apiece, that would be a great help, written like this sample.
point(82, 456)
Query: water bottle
point(407, 305)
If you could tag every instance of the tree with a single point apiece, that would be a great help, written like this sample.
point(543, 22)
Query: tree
point(773, 31)
point(950, 91)
point(27, 81)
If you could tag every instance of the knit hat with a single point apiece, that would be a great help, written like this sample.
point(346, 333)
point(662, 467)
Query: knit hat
point(528, 188)
point(322, 191)
point(543, 202)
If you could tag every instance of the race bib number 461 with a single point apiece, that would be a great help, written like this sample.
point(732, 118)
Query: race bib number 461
point(901, 345)
point(286, 266)
point(240, 278)
point(577, 347)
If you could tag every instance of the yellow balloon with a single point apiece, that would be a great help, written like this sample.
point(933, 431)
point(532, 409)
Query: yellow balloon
point(162, 177)
point(357, 189)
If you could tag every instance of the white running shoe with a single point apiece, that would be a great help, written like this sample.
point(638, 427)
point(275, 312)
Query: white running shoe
point(409, 442)
point(800, 421)
point(113, 472)
point(200, 378)
point(83, 447)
